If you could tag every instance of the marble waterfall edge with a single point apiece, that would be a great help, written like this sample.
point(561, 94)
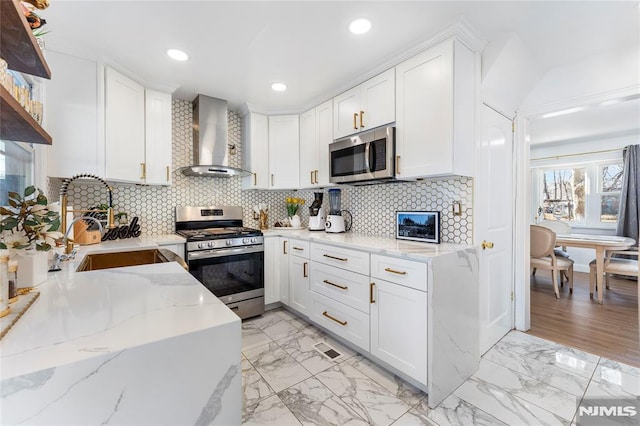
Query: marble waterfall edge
point(453, 319)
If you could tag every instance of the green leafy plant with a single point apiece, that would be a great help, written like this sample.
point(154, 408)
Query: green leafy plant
point(28, 223)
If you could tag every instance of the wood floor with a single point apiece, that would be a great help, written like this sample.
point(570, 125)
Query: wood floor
point(609, 330)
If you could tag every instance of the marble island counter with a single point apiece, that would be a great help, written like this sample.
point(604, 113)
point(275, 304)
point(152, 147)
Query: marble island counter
point(136, 345)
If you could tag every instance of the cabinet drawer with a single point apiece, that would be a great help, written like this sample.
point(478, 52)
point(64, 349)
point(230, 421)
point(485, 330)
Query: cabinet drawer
point(299, 248)
point(400, 271)
point(351, 260)
point(348, 323)
point(343, 286)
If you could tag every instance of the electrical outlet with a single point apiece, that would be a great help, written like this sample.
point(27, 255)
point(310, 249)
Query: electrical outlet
point(457, 208)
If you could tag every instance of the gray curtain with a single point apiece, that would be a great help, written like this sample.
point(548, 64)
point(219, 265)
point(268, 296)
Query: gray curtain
point(629, 208)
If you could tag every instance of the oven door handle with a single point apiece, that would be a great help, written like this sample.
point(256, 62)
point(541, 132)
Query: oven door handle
point(205, 254)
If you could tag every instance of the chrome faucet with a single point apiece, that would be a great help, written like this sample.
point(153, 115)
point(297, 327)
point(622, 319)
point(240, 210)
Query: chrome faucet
point(68, 248)
point(70, 254)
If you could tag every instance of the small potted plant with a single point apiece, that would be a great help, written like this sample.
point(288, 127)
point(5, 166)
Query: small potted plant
point(29, 229)
point(293, 204)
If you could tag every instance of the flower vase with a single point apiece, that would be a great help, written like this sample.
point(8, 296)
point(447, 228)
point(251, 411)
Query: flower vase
point(295, 221)
point(32, 268)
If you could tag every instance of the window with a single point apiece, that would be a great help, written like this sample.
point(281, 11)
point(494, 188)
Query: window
point(582, 193)
point(16, 168)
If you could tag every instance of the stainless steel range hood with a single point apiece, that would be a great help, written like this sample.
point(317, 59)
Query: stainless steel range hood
point(211, 150)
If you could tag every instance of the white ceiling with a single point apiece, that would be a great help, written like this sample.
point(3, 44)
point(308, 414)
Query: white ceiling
point(239, 48)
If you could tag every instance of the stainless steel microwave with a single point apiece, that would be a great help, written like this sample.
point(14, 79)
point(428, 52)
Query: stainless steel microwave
point(367, 156)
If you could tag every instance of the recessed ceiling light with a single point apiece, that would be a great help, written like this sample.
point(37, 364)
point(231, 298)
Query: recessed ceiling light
point(360, 26)
point(279, 87)
point(177, 55)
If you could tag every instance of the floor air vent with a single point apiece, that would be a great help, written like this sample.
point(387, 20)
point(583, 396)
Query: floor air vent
point(328, 351)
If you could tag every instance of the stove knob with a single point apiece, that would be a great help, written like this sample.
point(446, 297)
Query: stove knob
point(254, 240)
point(202, 245)
point(229, 242)
point(246, 241)
point(211, 244)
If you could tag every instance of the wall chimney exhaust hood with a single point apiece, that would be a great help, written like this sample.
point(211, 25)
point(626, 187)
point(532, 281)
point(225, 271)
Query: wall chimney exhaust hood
point(211, 150)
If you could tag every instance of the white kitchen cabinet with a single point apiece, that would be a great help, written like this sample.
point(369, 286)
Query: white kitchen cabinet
point(271, 270)
point(255, 151)
point(316, 133)
point(283, 268)
point(124, 128)
point(73, 114)
point(157, 138)
point(399, 328)
point(343, 286)
point(435, 98)
point(284, 152)
point(298, 278)
point(345, 321)
point(369, 105)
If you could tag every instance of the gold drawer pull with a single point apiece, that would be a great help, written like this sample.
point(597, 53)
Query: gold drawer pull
point(298, 248)
point(341, 259)
point(397, 164)
point(143, 167)
point(393, 271)
point(315, 178)
point(305, 273)
point(342, 323)
point(168, 174)
point(311, 177)
point(342, 287)
point(284, 247)
point(361, 117)
point(255, 179)
point(371, 300)
point(355, 117)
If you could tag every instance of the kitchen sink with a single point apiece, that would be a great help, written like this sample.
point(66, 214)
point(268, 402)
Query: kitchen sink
point(92, 262)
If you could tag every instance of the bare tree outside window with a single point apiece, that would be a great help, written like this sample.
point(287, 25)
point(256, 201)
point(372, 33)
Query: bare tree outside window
point(610, 189)
point(564, 194)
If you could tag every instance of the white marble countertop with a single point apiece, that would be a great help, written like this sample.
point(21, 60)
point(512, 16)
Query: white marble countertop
point(380, 245)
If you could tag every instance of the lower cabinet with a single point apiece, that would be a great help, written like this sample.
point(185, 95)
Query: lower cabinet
point(299, 284)
point(345, 321)
point(283, 269)
point(271, 270)
point(399, 328)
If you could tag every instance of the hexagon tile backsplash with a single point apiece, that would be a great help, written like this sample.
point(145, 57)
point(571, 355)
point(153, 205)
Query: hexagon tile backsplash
point(373, 207)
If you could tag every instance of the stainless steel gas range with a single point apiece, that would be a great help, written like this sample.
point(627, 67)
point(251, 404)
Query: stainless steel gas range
point(227, 258)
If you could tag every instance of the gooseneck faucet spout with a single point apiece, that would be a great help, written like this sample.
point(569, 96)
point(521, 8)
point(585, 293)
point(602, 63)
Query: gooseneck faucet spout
point(63, 206)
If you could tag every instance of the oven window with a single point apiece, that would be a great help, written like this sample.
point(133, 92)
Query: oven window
point(227, 275)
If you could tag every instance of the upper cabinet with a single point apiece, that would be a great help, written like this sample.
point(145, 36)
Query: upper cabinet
point(19, 48)
point(124, 128)
point(284, 149)
point(316, 133)
point(107, 124)
point(369, 105)
point(255, 151)
point(435, 99)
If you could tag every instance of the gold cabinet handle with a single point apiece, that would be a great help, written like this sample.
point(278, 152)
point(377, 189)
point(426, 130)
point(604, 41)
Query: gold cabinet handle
point(487, 245)
point(397, 164)
point(311, 177)
point(355, 117)
point(305, 273)
point(393, 271)
point(341, 287)
point(315, 174)
point(143, 168)
point(371, 286)
point(341, 259)
point(271, 179)
point(255, 179)
point(168, 174)
point(284, 247)
point(361, 118)
point(342, 323)
point(298, 248)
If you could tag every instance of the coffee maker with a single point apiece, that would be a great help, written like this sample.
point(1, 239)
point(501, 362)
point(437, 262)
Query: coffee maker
point(335, 220)
point(316, 213)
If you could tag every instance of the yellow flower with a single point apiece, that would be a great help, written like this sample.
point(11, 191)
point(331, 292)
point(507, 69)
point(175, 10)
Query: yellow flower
point(289, 200)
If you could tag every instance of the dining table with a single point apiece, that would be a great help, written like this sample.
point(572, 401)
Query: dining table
point(601, 244)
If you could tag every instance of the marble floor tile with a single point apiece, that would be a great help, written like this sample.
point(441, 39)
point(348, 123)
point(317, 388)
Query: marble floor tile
point(624, 377)
point(278, 368)
point(569, 359)
point(264, 320)
point(394, 384)
point(313, 404)
point(451, 411)
point(269, 411)
point(504, 406)
point(279, 328)
point(564, 379)
point(370, 400)
point(254, 388)
point(252, 336)
point(294, 320)
point(528, 389)
point(598, 389)
point(300, 346)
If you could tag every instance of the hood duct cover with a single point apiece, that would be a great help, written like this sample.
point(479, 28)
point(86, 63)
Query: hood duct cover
point(210, 148)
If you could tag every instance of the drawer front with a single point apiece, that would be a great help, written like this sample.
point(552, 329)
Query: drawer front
point(400, 271)
point(351, 260)
point(343, 286)
point(299, 248)
point(348, 323)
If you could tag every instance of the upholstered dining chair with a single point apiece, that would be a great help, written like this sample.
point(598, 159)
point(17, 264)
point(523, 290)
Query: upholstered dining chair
point(627, 267)
point(559, 227)
point(543, 242)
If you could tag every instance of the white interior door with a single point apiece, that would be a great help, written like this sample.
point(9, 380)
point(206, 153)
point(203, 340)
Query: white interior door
point(493, 213)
